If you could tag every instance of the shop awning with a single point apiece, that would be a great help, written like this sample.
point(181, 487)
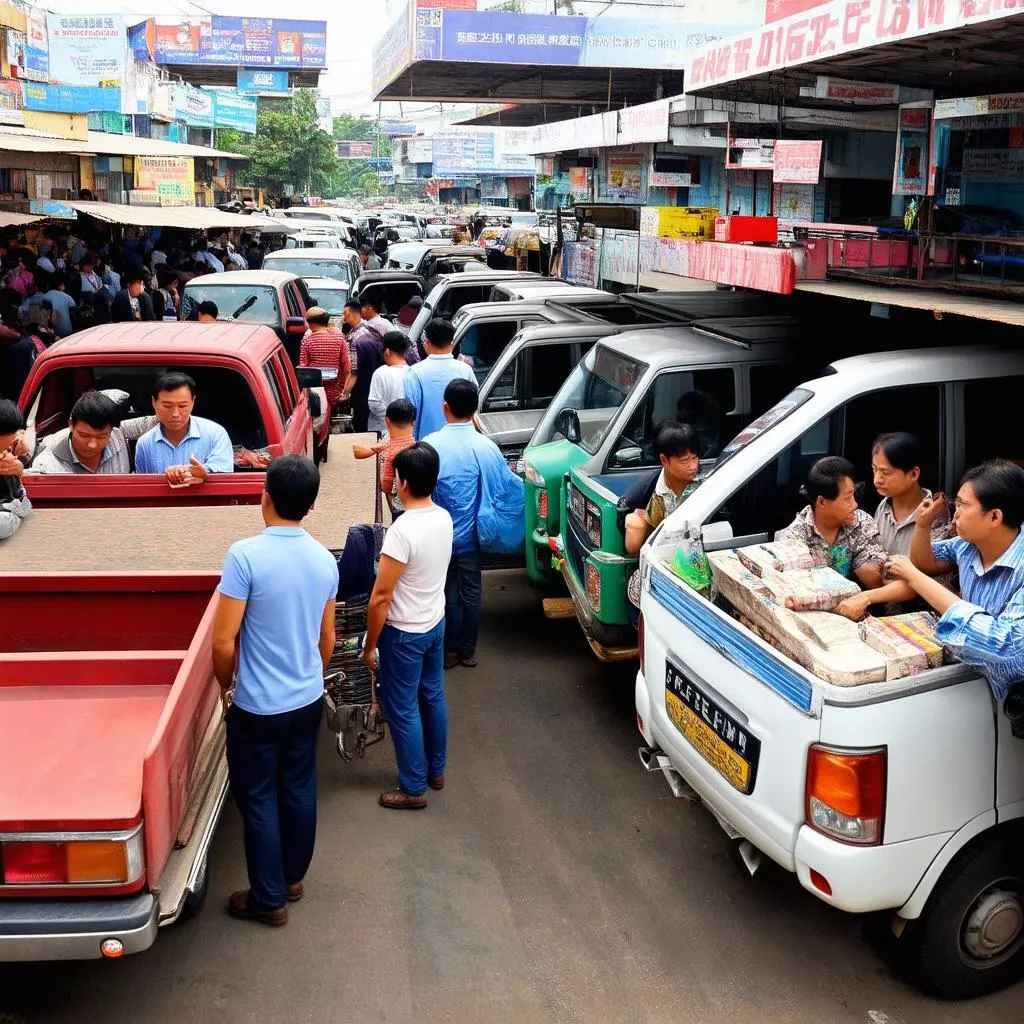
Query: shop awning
point(10, 220)
point(103, 144)
point(192, 218)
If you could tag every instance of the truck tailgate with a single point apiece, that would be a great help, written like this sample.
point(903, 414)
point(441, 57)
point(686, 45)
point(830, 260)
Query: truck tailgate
point(84, 746)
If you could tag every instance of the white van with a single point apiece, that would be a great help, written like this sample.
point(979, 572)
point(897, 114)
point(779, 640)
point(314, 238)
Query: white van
point(922, 813)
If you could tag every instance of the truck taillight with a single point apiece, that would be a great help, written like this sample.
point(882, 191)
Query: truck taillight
point(846, 794)
point(542, 506)
point(90, 860)
point(593, 587)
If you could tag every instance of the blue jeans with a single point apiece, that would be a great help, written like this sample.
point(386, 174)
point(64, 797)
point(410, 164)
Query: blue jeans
point(272, 765)
point(462, 597)
point(412, 692)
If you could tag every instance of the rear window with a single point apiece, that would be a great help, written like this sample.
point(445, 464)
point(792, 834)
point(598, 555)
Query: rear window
point(249, 304)
point(331, 299)
point(311, 266)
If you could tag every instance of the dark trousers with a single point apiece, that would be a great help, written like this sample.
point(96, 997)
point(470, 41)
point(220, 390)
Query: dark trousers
point(272, 764)
point(462, 597)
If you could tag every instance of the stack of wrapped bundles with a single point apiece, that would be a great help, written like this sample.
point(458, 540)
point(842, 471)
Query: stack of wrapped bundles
point(795, 577)
point(907, 642)
point(778, 556)
point(823, 642)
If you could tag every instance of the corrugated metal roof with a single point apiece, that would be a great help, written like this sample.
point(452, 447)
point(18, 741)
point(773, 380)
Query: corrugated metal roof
point(10, 220)
point(190, 217)
point(1003, 311)
point(104, 144)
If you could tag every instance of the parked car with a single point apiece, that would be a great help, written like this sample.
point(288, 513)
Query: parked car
point(340, 263)
point(270, 297)
point(313, 240)
point(390, 290)
point(421, 257)
point(330, 294)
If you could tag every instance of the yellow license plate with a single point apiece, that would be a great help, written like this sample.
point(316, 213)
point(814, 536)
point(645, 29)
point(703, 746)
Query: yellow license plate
point(713, 733)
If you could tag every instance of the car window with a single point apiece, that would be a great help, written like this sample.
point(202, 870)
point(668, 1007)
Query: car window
point(307, 264)
point(458, 295)
point(706, 399)
point(285, 373)
point(303, 290)
point(292, 301)
point(275, 387)
point(249, 304)
point(507, 393)
point(484, 343)
point(549, 366)
point(992, 423)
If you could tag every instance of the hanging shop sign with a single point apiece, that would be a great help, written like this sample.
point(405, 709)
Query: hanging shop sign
point(263, 81)
point(37, 47)
point(750, 154)
point(910, 175)
point(12, 104)
point(170, 178)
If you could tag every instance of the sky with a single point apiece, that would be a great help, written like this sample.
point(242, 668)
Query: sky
point(354, 26)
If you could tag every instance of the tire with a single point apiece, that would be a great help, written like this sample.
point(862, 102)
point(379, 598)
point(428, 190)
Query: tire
point(194, 900)
point(970, 939)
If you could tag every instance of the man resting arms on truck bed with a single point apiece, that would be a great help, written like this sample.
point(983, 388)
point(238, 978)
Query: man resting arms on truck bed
point(985, 625)
point(844, 536)
point(92, 443)
point(14, 503)
point(185, 448)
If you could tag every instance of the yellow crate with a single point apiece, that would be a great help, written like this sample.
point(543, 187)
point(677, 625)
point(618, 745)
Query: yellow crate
point(680, 221)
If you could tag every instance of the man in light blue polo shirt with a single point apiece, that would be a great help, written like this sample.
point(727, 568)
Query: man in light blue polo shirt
point(276, 598)
point(426, 380)
point(185, 448)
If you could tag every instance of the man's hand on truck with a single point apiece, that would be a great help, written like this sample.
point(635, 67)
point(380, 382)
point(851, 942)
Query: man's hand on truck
point(185, 476)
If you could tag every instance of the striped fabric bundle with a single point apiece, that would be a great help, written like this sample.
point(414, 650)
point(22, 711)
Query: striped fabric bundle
point(906, 641)
point(820, 589)
point(778, 556)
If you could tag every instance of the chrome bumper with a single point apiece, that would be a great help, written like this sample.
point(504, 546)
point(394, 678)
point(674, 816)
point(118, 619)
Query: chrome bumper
point(75, 929)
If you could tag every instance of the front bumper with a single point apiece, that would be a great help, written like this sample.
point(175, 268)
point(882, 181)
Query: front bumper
point(75, 929)
point(607, 635)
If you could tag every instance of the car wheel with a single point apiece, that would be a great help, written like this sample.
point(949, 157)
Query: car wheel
point(970, 939)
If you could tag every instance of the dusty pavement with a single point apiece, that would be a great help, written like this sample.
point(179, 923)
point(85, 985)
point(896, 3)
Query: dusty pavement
point(552, 880)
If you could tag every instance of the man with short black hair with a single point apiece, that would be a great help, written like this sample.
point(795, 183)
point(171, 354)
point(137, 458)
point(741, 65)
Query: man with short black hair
point(406, 619)
point(472, 467)
point(366, 357)
point(985, 625)
point(207, 312)
point(132, 303)
point(276, 600)
point(14, 504)
point(185, 448)
point(388, 382)
point(368, 259)
point(326, 348)
point(91, 444)
point(373, 320)
point(425, 382)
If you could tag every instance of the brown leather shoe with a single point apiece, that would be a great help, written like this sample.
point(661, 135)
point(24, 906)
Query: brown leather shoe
point(293, 893)
point(399, 801)
point(437, 782)
point(451, 660)
point(240, 904)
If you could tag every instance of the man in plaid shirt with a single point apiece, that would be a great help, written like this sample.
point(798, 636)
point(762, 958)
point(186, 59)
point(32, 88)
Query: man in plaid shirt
point(326, 348)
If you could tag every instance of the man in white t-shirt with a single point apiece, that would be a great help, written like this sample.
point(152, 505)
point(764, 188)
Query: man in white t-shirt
point(406, 620)
point(388, 381)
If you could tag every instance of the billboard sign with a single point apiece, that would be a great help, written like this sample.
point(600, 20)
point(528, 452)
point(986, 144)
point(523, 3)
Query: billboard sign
point(193, 106)
point(394, 51)
point(395, 128)
point(419, 151)
point(478, 152)
point(87, 50)
point(170, 178)
point(832, 29)
point(233, 110)
point(12, 103)
point(353, 150)
point(245, 42)
point(37, 46)
point(263, 81)
point(797, 161)
point(71, 99)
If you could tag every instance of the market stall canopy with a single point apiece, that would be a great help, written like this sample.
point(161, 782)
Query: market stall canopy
point(23, 140)
point(193, 218)
point(10, 220)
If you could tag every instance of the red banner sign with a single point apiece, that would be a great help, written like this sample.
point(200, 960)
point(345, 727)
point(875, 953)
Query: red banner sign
point(797, 161)
point(835, 28)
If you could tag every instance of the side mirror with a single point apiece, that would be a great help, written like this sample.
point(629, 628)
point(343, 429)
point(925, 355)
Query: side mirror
point(567, 423)
point(295, 325)
point(626, 453)
point(309, 376)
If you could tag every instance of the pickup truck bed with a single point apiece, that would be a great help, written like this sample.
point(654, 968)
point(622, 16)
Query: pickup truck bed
point(158, 539)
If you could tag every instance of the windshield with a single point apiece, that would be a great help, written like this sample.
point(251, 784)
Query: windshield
point(249, 304)
point(331, 299)
point(776, 414)
point(311, 266)
point(596, 390)
point(319, 242)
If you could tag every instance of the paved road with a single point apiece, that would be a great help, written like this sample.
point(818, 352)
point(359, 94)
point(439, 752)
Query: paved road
point(551, 881)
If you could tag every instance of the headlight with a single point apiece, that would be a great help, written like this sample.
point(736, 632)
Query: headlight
point(531, 473)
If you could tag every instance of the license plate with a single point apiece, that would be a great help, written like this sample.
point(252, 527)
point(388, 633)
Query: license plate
point(726, 745)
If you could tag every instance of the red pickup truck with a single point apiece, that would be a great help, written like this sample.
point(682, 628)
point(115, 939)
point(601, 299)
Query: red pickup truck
point(244, 381)
point(112, 747)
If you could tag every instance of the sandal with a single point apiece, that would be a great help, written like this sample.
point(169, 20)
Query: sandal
point(469, 662)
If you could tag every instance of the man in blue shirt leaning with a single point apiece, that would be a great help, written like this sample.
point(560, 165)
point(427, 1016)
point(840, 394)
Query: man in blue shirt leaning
point(983, 627)
point(276, 600)
point(426, 380)
point(185, 448)
point(470, 462)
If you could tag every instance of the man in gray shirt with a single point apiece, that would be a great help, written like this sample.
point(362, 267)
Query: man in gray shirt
point(93, 443)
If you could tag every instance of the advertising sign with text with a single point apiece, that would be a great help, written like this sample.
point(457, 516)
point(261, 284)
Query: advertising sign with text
point(233, 110)
point(170, 178)
point(646, 122)
point(71, 99)
point(797, 161)
point(37, 46)
point(263, 81)
point(12, 104)
point(87, 50)
point(246, 42)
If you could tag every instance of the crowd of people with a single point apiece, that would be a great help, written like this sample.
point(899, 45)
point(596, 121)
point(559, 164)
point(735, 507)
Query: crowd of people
point(64, 282)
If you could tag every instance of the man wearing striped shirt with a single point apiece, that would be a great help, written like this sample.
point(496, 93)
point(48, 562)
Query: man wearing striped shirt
point(983, 627)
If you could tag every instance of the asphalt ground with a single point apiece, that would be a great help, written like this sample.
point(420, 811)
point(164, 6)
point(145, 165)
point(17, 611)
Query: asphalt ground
point(551, 880)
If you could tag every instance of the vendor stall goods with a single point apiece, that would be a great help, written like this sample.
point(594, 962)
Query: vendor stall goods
point(907, 642)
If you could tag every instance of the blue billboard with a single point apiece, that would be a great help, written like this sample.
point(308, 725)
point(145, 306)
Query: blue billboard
point(231, 110)
point(495, 37)
point(71, 99)
point(265, 81)
point(246, 42)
